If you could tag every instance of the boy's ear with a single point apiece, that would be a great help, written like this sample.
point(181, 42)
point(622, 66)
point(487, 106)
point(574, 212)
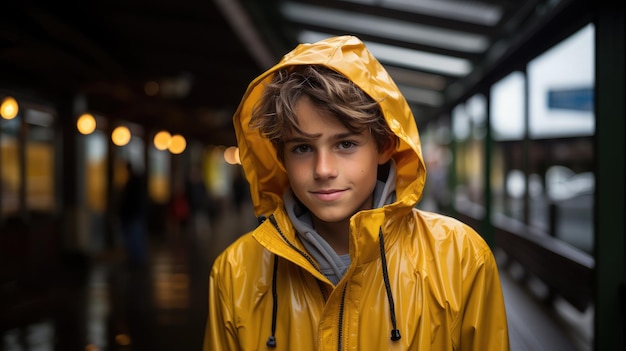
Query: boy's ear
point(385, 154)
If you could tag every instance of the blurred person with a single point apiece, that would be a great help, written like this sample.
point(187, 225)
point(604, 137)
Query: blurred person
point(179, 207)
point(199, 201)
point(241, 194)
point(436, 188)
point(132, 215)
point(342, 258)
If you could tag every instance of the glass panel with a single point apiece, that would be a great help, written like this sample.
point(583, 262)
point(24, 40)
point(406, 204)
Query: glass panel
point(10, 166)
point(219, 173)
point(561, 87)
point(96, 170)
point(133, 152)
point(508, 184)
point(469, 129)
point(40, 194)
point(460, 123)
point(159, 178)
point(95, 183)
point(562, 199)
point(507, 110)
point(507, 107)
point(437, 155)
point(561, 163)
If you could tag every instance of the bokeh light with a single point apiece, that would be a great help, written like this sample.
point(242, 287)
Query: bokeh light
point(120, 136)
point(9, 108)
point(162, 140)
point(231, 155)
point(178, 144)
point(86, 124)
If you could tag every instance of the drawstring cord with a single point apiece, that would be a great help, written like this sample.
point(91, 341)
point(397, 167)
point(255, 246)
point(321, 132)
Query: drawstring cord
point(271, 341)
point(395, 333)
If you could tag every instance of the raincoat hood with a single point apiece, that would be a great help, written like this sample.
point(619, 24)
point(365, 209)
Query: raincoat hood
point(348, 56)
point(416, 280)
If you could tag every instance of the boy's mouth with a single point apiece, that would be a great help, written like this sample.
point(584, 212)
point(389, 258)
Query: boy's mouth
point(328, 194)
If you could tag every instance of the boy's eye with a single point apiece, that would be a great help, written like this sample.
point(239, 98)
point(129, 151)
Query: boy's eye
point(346, 145)
point(300, 149)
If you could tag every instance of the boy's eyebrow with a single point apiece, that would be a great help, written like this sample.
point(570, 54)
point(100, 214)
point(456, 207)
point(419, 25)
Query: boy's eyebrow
point(299, 138)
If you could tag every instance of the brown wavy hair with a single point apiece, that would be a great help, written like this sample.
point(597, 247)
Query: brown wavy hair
point(329, 91)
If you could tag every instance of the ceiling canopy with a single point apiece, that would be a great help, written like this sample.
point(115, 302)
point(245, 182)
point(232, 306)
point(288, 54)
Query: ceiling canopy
point(183, 65)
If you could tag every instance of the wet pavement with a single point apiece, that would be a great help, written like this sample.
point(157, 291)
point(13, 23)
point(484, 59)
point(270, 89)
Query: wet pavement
point(163, 305)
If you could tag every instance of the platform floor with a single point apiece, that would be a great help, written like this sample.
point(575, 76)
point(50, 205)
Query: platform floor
point(163, 306)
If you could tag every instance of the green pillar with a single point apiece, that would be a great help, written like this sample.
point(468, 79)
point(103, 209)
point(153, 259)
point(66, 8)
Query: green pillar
point(610, 247)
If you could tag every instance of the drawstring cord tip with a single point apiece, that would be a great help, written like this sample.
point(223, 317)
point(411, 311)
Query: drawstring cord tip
point(271, 341)
point(395, 335)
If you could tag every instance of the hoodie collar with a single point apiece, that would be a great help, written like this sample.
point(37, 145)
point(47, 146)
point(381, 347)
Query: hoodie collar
point(332, 265)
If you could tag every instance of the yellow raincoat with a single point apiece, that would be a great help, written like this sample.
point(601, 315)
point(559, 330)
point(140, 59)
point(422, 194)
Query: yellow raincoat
point(437, 283)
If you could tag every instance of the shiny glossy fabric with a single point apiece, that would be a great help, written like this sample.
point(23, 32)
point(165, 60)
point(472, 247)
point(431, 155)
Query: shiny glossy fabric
point(443, 276)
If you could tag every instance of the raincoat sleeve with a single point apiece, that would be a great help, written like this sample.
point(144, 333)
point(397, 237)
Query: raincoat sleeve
point(221, 333)
point(484, 324)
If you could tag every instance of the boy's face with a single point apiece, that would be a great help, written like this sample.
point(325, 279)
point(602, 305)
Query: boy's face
point(334, 172)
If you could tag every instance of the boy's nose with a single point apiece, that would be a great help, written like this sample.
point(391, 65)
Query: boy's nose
point(325, 166)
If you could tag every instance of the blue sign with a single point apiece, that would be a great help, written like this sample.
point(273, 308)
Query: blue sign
point(580, 99)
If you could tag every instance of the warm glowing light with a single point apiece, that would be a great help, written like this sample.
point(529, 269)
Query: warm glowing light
point(86, 124)
point(120, 136)
point(122, 339)
point(231, 155)
point(178, 144)
point(9, 108)
point(162, 140)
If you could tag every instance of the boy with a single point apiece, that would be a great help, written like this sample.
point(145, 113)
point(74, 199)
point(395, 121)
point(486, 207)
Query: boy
point(343, 260)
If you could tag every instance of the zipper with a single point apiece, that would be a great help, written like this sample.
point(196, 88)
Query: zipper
point(341, 312)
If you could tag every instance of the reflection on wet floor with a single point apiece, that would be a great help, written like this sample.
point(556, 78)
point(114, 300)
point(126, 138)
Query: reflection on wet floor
point(159, 306)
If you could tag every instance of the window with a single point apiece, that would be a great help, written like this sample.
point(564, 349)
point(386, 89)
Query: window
point(508, 178)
